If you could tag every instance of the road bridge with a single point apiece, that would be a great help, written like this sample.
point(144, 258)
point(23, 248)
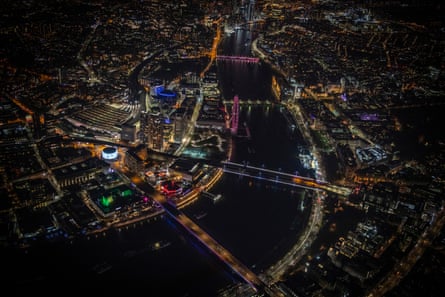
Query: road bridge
point(237, 59)
point(217, 249)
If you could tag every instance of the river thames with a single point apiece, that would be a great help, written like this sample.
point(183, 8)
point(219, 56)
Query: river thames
point(257, 221)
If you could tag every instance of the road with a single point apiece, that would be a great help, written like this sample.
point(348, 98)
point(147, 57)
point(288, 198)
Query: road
point(277, 271)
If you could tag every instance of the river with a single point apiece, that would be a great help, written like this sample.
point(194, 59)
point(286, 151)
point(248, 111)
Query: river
point(257, 221)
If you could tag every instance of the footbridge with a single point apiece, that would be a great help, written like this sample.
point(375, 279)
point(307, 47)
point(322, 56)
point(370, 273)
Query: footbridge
point(280, 177)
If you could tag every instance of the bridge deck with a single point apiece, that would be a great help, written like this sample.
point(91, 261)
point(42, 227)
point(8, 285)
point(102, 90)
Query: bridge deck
point(224, 255)
point(283, 178)
point(237, 58)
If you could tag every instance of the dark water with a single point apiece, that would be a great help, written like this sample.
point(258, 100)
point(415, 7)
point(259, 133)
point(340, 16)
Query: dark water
point(119, 262)
point(256, 221)
point(273, 144)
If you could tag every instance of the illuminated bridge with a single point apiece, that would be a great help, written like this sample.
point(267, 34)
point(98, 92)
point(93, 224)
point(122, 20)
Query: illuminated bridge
point(283, 178)
point(224, 255)
point(249, 102)
point(237, 59)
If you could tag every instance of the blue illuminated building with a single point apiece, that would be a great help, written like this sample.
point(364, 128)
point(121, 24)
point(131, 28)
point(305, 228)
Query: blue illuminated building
point(165, 95)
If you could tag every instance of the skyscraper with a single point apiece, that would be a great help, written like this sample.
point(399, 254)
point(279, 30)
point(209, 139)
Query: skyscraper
point(180, 121)
point(152, 131)
point(250, 12)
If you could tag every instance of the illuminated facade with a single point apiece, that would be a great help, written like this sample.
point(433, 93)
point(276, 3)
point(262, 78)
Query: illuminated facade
point(109, 154)
point(171, 188)
point(110, 200)
point(276, 88)
point(180, 123)
point(157, 132)
point(235, 115)
point(152, 130)
point(142, 135)
point(168, 129)
point(155, 129)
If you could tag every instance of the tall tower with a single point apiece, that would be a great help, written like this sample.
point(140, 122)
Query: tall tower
point(152, 131)
point(235, 115)
point(250, 11)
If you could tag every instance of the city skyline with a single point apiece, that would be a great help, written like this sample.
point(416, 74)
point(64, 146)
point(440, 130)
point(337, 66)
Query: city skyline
point(277, 148)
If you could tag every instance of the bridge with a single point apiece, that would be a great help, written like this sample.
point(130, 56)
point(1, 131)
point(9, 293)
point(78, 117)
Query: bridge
point(217, 249)
point(249, 102)
point(237, 59)
point(283, 178)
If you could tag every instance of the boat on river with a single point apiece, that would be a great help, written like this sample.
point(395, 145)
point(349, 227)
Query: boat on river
point(160, 244)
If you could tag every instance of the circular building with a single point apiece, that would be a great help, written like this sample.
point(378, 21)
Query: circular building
point(109, 153)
